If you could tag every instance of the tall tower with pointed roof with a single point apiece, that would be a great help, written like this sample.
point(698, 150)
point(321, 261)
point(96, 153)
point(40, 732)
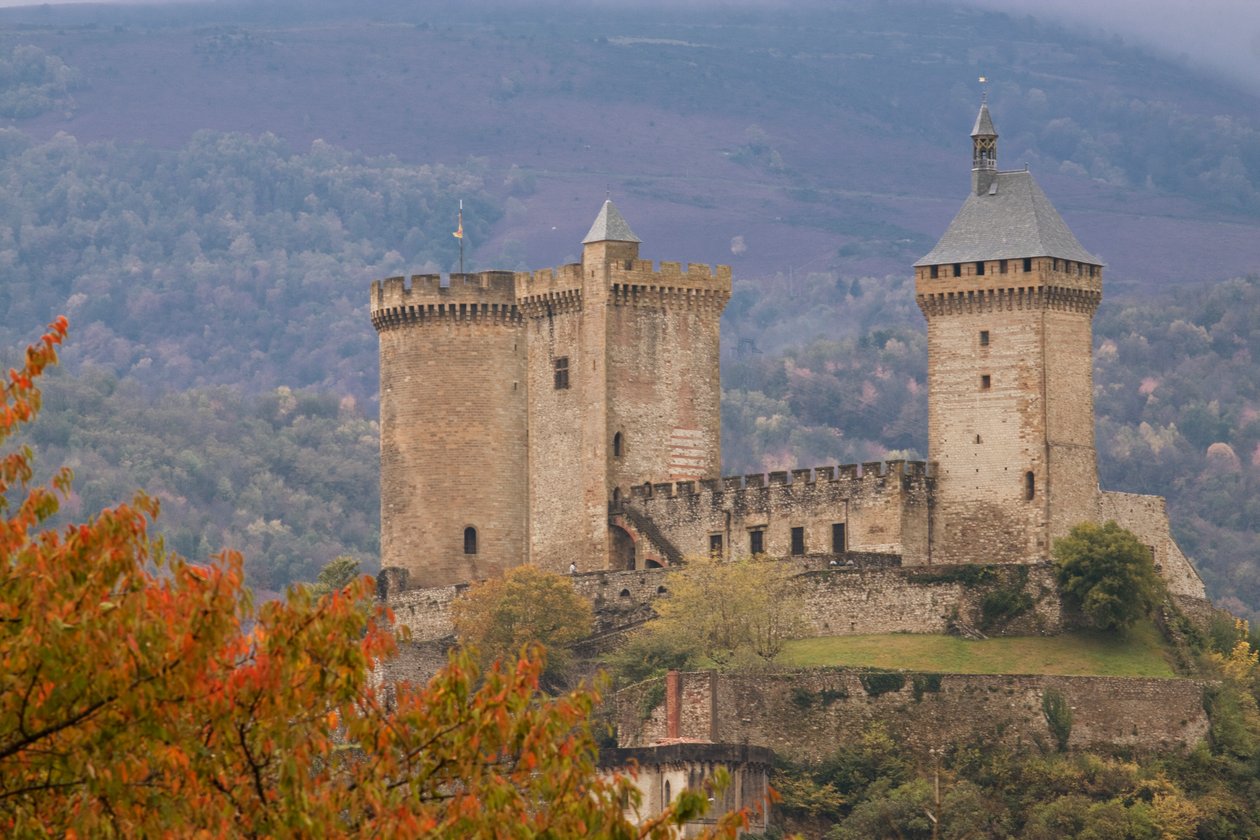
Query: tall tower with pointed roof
point(1009, 295)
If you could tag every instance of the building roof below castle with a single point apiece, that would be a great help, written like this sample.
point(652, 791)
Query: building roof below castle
point(610, 226)
point(1011, 220)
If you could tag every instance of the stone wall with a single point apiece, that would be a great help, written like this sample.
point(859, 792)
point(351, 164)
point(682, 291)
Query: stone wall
point(934, 599)
point(558, 448)
point(806, 716)
point(868, 595)
point(882, 507)
point(1147, 517)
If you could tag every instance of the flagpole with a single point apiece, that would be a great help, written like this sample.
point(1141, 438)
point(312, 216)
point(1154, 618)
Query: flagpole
point(461, 236)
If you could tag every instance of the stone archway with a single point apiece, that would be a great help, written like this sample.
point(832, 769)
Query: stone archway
point(621, 557)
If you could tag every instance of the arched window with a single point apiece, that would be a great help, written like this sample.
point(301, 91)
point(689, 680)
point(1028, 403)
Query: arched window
point(470, 540)
point(617, 445)
point(668, 798)
point(1030, 485)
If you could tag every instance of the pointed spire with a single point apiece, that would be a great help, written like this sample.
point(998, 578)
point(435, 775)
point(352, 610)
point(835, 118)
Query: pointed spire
point(983, 151)
point(984, 123)
point(610, 226)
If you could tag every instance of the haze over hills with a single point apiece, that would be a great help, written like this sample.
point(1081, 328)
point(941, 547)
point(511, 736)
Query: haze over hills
point(208, 188)
point(801, 131)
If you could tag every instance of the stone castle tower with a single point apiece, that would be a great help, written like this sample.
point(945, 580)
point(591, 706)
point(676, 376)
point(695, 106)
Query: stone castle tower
point(572, 415)
point(1009, 296)
point(514, 405)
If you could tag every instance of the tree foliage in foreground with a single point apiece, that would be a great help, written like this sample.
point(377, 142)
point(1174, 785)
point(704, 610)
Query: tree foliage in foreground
point(141, 695)
point(1107, 572)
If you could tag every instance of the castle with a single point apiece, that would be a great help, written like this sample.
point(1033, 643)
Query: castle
point(570, 418)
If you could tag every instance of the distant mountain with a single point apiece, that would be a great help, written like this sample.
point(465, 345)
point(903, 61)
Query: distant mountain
point(826, 137)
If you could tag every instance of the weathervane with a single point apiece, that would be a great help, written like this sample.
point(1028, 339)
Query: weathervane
point(984, 89)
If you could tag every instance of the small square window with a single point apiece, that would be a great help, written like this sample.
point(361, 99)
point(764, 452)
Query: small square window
point(958, 269)
point(979, 269)
point(1002, 267)
point(798, 541)
point(715, 545)
point(986, 382)
point(1027, 264)
point(934, 271)
point(562, 372)
point(757, 541)
point(984, 338)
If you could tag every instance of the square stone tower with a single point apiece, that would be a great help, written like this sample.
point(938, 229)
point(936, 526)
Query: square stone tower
point(512, 406)
point(1009, 296)
point(624, 388)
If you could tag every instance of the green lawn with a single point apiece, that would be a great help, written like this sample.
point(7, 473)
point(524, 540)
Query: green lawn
point(1139, 654)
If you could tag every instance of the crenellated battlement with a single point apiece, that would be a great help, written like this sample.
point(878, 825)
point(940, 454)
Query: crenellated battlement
point(631, 283)
point(488, 296)
point(670, 284)
point(880, 507)
point(865, 475)
point(1058, 298)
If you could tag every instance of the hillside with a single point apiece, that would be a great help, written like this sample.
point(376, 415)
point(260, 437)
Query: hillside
point(207, 190)
point(826, 137)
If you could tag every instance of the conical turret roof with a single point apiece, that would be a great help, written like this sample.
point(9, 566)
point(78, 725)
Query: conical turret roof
point(984, 123)
point(610, 226)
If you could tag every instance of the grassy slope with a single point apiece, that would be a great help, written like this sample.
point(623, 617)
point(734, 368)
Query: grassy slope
point(1140, 654)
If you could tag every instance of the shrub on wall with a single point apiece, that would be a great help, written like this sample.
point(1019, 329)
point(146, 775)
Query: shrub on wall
point(1107, 572)
point(883, 682)
point(1058, 716)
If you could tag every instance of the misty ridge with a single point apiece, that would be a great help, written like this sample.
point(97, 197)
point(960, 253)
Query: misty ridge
point(207, 190)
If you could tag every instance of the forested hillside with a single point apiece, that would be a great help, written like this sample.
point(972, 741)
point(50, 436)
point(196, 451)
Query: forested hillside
point(207, 190)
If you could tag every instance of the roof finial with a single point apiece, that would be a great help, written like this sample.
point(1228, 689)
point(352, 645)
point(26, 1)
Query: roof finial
point(984, 90)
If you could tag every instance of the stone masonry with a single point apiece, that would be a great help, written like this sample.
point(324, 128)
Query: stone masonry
point(806, 716)
point(570, 417)
point(513, 404)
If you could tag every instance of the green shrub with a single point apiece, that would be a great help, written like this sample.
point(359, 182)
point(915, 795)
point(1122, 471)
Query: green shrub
point(968, 574)
point(1058, 716)
point(652, 697)
point(882, 682)
point(922, 684)
point(1002, 605)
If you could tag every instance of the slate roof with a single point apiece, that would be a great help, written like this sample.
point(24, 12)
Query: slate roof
point(1012, 220)
point(984, 124)
point(610, 227)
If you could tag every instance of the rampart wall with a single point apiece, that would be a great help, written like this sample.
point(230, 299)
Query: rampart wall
point(805, 716)
point(1147, 516)
point(883, 507)
point(869, 595)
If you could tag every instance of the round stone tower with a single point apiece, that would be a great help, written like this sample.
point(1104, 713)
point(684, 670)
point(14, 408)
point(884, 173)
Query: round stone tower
point(453, 426)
